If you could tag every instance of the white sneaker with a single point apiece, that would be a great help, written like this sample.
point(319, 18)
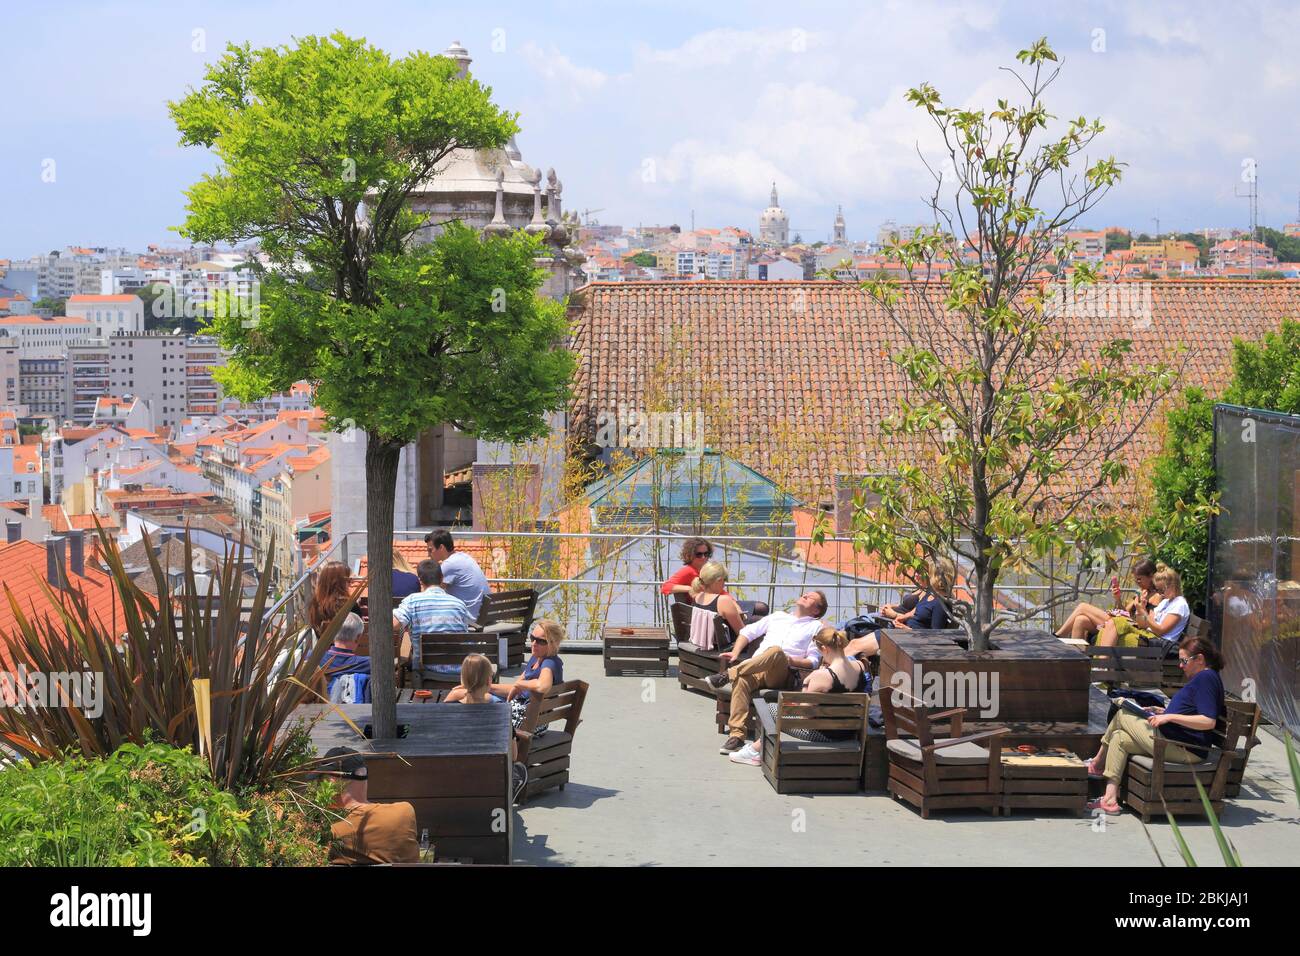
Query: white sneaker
point(748, 754)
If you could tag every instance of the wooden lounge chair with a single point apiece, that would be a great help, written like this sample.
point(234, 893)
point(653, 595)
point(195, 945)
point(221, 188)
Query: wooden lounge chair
point(1151, 785)
point(547, 755)
point(695, 663)
point(509, 614)
point(933, 772)
point(798, 757)
point(448, 648)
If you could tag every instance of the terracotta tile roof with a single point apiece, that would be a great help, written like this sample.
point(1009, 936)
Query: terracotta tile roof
point(35, 319)
point(104, 298)
point(309, 461)
point(813, 357)
point(22, 569)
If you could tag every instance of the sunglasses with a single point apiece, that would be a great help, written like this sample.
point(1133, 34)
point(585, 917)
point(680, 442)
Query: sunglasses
point(1184, 661)
point(539, 640)
point(704, 554)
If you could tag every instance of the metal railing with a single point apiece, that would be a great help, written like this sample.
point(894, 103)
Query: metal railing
point(618, 581)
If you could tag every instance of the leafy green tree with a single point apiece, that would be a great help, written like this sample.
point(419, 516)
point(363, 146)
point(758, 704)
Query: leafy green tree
point(646, 260)
point(1265, 375)
point(1014, 434)
point(321, 145)
point(56, 306)
point(1287, 248)
point(1118, 240)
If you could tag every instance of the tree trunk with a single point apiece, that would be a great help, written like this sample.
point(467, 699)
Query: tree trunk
point(381, 494)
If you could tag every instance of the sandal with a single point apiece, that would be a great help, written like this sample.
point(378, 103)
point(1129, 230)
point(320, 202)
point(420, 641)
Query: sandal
point(1094, 769)
point(1100, 804)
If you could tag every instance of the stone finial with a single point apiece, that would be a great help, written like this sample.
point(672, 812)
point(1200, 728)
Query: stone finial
point(498, 225)
point(538, 225)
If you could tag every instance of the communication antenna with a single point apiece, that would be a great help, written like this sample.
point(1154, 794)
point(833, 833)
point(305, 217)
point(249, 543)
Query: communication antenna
point(1252, 196)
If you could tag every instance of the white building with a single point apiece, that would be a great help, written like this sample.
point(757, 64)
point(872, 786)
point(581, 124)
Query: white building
point(38, 337)
point(108, 314)
point(774, 224)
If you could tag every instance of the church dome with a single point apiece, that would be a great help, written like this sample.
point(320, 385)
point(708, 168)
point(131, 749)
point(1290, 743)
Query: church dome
point(773, 223)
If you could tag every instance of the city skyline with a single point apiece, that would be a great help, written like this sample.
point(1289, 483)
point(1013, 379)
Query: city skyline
point(649, 121)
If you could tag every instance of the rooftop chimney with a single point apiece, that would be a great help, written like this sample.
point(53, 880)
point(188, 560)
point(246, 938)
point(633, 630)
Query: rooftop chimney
point(54, 562)
point(13, 530)
point(77, 551)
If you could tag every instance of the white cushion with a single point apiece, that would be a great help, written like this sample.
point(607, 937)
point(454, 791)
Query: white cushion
point(959, 754)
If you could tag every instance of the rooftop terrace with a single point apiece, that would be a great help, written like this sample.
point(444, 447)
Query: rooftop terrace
point(649, 788)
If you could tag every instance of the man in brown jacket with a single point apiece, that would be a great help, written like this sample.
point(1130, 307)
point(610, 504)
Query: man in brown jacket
point(370, 833)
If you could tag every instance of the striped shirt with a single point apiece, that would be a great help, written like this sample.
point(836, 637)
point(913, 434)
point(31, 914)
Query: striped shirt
point(427, 611)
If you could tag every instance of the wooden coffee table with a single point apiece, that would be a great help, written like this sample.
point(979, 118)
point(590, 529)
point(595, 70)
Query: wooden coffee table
point(1046, 780)
point(643, 652)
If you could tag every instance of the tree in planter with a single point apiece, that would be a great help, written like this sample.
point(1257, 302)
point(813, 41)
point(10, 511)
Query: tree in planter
point(1010, 434)
point(1265, 374)
point(321, 145)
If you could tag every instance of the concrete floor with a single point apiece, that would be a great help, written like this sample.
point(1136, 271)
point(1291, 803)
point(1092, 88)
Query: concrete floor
point(649, 788)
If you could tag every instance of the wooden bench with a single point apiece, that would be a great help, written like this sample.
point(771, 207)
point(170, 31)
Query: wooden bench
point(509, 614)
point(797, 755)
point(695, 663)
point(1151, 786)
point(547, 755)
point(1138, 668)
point(449, 648)
point(933, 772)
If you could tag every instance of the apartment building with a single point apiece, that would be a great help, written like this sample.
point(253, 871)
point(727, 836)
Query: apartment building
point(172, 374)
point(299, 494)
point(10, 356)
point(40, 337)
point(87, 380)
point(42, 385)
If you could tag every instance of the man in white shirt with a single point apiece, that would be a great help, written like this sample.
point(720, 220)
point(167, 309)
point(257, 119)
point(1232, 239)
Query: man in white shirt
point(785, 641)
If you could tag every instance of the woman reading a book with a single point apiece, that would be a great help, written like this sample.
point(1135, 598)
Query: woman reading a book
point(1188, 723)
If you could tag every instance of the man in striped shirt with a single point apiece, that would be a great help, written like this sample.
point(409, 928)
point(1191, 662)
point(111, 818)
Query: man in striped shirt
point(430, 609)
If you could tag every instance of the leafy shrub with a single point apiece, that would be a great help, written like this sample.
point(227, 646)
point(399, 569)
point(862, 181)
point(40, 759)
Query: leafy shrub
point(154, 805)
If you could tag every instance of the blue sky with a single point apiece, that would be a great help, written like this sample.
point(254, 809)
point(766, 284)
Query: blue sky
point(715, 100)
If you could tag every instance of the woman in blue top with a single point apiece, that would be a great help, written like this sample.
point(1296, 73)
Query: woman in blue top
point(543, 671)
point(930, 613)
point(1188, 722)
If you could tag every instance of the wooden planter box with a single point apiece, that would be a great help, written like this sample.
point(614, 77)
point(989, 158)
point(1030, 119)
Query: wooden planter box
point(453, 767)
point(1028, 676)
point(644, 653)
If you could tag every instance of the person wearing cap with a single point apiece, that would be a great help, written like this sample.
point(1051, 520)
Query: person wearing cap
point(369, 833)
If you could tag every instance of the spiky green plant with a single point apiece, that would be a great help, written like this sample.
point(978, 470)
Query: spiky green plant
point(1229, 852)
point(172, 639)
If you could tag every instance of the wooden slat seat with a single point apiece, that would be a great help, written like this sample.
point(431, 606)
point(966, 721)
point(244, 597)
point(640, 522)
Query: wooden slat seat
point(1153, 785)
point(509, 614)
point(798, 756)
point(918, 772)
point(1154, 667)
point(547, 755)
point(448, 649)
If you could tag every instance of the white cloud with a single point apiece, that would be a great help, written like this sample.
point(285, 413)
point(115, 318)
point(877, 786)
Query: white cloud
point(562, 74)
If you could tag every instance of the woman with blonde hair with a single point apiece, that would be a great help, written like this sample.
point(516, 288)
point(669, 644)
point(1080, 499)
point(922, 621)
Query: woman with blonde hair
point(709, 591)
point(475, 685)
point(405, 580)
point(930, 613)
point(1167, 622)
point(543, 671)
